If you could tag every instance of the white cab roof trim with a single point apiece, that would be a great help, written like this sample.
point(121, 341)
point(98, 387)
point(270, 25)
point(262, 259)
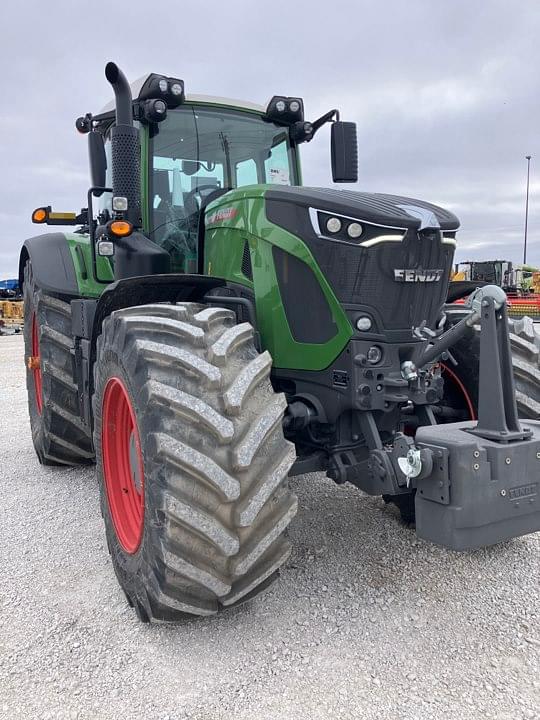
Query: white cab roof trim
point(208, 99)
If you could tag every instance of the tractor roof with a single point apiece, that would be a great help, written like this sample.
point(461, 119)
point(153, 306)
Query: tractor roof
point(205, 99)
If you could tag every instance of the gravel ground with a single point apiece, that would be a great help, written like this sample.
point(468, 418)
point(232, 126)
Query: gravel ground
point(367, 621)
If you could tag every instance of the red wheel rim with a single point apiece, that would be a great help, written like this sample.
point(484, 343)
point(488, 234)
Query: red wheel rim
point(462, 389)
point(36, 369)
point(123, 467)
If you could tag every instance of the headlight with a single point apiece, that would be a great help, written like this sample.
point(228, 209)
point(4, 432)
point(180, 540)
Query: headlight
point(333, 225)
point(354, 230)
point(294, 106)
point(342, 228)
point(163, 85)
point(364, 323)
point(351, 231)
point(176, 89)
point(280, 106)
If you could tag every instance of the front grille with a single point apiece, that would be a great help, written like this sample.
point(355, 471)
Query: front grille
point(365, 276)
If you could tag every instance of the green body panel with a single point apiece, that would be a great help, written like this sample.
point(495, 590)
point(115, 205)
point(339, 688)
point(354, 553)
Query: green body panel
point(239, 216)
point(88, 287)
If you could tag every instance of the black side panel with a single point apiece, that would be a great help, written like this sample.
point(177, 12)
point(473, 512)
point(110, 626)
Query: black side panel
point(138, 256)
point(308, 314)
point(52, 265)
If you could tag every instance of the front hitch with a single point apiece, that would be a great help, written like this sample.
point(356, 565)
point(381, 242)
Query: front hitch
point(484, 484)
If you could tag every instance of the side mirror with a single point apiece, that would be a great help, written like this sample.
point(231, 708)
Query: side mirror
point(344, 152)
point(97, 158)
point(190, 167)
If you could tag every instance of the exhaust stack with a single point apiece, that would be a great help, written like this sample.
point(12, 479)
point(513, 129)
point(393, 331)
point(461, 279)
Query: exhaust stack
point(126, 157)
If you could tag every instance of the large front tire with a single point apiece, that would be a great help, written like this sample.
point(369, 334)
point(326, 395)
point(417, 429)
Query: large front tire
point(191, 459)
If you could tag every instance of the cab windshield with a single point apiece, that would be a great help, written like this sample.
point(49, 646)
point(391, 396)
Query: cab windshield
point(197, 151)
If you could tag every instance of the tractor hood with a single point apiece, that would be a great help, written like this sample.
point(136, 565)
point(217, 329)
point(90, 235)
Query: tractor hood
point(386, 211)
point(386, 256)
point(389, 255)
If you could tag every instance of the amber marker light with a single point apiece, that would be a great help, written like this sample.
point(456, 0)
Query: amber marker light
point(121, 228)
point(39, 215)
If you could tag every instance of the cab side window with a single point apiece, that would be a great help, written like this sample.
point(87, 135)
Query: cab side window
point(246, 173)
point(276, 166)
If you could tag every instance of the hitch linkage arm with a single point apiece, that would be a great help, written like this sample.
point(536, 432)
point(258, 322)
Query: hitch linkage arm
point(451, 337)
point(497, 408)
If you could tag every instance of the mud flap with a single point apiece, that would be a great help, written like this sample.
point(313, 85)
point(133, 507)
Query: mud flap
point(480, 492)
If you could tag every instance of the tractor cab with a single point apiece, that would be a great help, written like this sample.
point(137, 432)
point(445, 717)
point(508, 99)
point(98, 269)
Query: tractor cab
point(197, 154)
point(194, 148)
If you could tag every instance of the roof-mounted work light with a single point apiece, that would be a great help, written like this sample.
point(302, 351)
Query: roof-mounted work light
point(286, 110)
point(166, 89)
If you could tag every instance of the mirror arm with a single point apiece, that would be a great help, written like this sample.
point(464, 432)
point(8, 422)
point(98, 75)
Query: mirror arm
point(330, 116)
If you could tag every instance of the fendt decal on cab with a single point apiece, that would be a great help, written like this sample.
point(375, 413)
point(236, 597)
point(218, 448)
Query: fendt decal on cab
point(424, 276)
point(221, 214)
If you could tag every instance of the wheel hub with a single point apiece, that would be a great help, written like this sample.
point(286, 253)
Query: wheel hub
point(122, 465)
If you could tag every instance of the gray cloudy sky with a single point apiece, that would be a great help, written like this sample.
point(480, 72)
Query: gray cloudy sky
point(445, 94)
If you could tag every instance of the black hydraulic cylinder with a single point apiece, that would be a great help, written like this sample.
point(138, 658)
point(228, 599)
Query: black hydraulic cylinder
point(449, 338)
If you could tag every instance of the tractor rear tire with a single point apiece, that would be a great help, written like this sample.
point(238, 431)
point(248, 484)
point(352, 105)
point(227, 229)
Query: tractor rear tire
point(525, 341)
point(58, 434)
point(191, 459)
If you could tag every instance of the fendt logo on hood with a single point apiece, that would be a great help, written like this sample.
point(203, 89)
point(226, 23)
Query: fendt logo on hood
point(414, 276)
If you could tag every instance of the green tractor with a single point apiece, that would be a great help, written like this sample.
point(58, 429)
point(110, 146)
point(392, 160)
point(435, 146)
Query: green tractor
point(213, 327)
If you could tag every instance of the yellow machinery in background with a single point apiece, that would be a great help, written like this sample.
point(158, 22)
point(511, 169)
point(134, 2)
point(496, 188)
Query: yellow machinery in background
point(12, 312)
point(11, 307)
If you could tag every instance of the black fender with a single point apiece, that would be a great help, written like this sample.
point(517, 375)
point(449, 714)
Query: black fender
point(88, 315)
point(151, 289)
point(52, 264)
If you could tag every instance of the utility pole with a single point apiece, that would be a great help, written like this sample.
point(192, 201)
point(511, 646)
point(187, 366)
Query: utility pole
point(528, 158)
